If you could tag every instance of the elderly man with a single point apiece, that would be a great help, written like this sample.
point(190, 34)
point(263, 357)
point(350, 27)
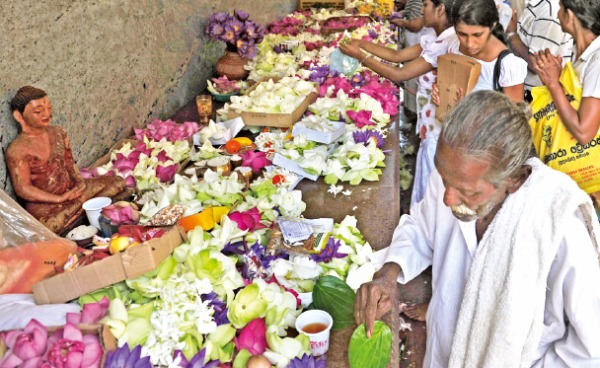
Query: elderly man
point(42, 168)
point(513, 247)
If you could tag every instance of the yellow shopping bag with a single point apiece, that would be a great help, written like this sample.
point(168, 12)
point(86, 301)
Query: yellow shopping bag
point(553, 143)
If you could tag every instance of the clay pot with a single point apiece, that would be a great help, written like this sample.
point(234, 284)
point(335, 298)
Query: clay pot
point(231, 64)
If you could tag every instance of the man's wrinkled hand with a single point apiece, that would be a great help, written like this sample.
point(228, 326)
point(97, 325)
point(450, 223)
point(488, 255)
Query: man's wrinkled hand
point(374, 299)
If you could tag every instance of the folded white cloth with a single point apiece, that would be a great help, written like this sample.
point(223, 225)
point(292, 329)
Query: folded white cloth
point(501, 316)
point(16, 310)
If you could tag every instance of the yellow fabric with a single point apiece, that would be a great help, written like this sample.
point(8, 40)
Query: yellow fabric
point(553, 143)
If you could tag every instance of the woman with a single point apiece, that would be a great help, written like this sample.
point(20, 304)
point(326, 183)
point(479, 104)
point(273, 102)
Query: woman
point(420, 61)
point(581, 19)
point(480, 36)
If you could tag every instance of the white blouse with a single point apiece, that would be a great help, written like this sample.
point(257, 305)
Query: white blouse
point(513, 69)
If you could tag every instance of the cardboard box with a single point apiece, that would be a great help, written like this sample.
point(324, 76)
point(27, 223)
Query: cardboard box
point(454, 72)
point(277, 120)
point(129, 264)
point(318, 136)
point(332, 4)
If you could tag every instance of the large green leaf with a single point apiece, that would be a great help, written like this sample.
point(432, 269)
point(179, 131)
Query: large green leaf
point(373, 352)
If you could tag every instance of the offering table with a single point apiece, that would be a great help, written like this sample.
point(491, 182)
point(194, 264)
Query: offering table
point(376, 205)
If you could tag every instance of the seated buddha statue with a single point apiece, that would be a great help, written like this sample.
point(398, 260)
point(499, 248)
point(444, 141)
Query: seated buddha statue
point(42, 169)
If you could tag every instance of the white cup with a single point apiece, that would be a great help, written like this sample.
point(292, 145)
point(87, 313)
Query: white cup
point(93, 207)
point(316, 324)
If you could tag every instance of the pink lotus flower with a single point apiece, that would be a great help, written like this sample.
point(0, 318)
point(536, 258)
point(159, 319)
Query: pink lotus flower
point(162, 156)
point(247, 220)
point(69, 348)
point(361, 118)
point(130, 181)
point(169, 130)
point(141, 148)
point(121, 213)
point(166, 173)
point(90, 313)
point(253, 337)
point(337, 83)
point(124, 164)
point(25, 348)
point(255, 160)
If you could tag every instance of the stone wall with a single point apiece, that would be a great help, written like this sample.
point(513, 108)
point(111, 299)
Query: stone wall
point(110, 65)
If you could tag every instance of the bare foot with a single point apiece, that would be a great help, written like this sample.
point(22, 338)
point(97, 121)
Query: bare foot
point(416, 311)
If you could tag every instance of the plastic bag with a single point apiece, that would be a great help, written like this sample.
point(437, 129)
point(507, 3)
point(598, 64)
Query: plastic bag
point(553, 143)
point(342, 63)
point(29, 252)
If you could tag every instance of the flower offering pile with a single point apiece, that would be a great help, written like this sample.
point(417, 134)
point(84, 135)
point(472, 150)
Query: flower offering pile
point(229, 295)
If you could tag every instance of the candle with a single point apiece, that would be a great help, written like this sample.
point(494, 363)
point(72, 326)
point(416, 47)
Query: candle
point(204, 104)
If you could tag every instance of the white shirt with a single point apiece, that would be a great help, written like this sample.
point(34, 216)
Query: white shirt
point(539, 29)
point(513, 69)
point(587, 68)
point(432, 236)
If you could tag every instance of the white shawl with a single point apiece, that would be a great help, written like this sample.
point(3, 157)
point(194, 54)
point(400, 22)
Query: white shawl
point(501, 316)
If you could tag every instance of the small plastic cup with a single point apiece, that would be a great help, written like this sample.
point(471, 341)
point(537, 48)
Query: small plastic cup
point(93, 207)
point(316, 324)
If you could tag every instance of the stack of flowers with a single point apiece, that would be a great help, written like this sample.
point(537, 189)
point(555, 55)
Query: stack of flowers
point(239, 32)
point(148, 163)
point(69, 346)
point(288, 26)
point(158, 130)
point(283, 96)
point(221, 297)
point(376, 8)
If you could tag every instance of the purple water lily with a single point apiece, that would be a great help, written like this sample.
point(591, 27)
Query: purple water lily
point(123, 357)
point(308, 361)
point(329, 252)
point(220, 308)
point(366, 136)
point(197, 361)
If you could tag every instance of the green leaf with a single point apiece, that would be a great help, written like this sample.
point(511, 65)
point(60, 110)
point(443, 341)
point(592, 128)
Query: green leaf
point(336, 298)
point(373, 352)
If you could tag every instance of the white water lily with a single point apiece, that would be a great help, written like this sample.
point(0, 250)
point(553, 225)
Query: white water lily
point(282, 96)
point(358, 275)
point(212, 130)
point(282, 350)
point(181, 192)
point(205, 152)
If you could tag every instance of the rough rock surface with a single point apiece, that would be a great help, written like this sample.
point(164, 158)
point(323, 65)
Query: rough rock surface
point(110, 66)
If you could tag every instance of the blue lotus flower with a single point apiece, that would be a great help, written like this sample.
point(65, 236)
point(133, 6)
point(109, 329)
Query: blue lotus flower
point(125, 358)
point(197, 361)
point(366, 136)
point(308, 361)
point(329, 252)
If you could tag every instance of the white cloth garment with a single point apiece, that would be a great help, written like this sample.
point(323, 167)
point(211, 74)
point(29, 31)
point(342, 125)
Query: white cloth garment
point(432, 236)
point(506, 287)
point(16, 310)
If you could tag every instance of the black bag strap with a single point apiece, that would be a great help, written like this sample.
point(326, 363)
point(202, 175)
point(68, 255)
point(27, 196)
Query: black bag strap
point(497, 68)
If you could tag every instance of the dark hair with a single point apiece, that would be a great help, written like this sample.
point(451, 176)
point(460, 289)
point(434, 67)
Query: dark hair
point(588, 13)
point(478, 13)
point(24, 96)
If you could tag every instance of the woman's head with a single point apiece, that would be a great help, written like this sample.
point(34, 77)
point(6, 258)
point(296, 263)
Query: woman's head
point(586, 11)
point(475, 21)
point(434, 12)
